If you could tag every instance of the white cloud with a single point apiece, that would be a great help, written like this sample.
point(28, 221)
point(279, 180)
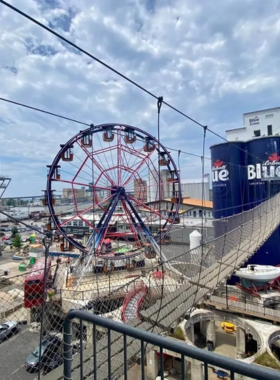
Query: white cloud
point(212, 60)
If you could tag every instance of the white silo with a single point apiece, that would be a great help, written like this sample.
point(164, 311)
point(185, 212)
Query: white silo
point(195, 246)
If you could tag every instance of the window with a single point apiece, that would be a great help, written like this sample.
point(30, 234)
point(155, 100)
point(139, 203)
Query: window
point(269, 130)
point(270, 116)
point(75, 222)
point(81, 223)
point(194, 214)
point(257, 133)
point(32, 282)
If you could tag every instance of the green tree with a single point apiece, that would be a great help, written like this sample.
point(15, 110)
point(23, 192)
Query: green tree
point(14, 232)
point(17, 242)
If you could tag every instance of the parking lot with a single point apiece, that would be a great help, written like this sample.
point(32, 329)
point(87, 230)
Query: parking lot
point(13, 353)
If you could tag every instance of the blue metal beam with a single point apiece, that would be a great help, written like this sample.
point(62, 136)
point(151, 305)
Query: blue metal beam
point(140, 221)
point(104, 221)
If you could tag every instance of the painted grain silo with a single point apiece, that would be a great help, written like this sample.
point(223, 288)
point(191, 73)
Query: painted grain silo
point(263, 166)
point(245, 174)
point(263, 171)
point(228, 178)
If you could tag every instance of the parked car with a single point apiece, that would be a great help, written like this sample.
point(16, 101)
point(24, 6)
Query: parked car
point(6, 238)
point(49, 348)
point(7, 329)
point(55, 362)
point(7, 242)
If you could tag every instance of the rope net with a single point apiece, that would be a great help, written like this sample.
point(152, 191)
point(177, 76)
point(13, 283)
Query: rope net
point(131, 296)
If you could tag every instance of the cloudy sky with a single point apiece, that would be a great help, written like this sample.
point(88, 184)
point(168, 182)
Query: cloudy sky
point(214, 60)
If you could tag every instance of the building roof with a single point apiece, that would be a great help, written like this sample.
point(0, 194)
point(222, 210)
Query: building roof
point(193, 202)
point(264, 110)
point(235, 129)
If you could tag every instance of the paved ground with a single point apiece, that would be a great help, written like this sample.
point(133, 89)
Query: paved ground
point(6, 257)
point(225, 345)
point(14, 352)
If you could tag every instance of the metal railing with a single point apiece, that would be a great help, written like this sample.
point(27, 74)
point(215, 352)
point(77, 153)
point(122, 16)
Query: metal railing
point(111, 357)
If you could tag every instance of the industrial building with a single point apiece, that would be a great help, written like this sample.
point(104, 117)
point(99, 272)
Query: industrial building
point(195, 188)
point(189, 207)
point(69, 193)
point(140, 189)
point(257, 124)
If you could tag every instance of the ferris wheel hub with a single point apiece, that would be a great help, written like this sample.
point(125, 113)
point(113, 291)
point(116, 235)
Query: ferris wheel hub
point(118, 190)
point(121, 190)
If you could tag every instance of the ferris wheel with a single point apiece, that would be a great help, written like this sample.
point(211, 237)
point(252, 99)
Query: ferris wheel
point(119, 194)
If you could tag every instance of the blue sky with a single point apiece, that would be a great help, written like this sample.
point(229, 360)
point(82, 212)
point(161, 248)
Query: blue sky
point(213, 60)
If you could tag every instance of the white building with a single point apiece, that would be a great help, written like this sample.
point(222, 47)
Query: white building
point(257, 124)
point(195, 188)
point(153, 185)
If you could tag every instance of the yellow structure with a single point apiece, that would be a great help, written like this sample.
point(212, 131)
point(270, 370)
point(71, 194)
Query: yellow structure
point(228, 327)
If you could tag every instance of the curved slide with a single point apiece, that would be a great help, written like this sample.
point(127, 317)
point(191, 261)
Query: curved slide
point(132, 302)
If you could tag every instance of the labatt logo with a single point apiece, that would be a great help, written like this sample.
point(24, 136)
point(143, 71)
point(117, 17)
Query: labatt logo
point(269, 169)
point(219, 172)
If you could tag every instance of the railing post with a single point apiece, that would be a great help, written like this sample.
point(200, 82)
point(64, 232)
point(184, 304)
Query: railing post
point(67, 349)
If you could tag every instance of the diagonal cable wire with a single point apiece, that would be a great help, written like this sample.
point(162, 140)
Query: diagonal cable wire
point(104, 64)
point(23, 223)
point(115, 71)
point(159, 104)
point(87, 124)
point(43, 111)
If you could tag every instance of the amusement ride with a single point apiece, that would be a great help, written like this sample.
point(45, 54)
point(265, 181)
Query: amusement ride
point(124, 190)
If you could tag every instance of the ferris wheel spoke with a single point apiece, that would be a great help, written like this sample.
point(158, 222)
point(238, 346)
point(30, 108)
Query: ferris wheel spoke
point(130, 156)
point(138, 202)
point(80, 169)
point(99, 166)
point(81, 184)
point(96, 152)
point(79, 214)
point(91, 175)
point(144, 161)
point(134, 152)
point(119, 157)
point(105, 158)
